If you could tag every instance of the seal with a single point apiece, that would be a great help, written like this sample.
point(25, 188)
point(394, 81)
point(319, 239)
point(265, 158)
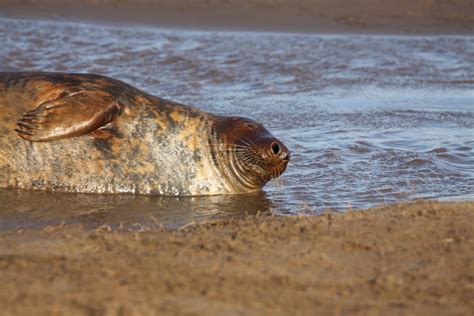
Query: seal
point(94, 134)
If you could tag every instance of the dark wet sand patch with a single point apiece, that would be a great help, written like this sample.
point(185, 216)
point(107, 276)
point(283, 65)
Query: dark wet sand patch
point(405, 259)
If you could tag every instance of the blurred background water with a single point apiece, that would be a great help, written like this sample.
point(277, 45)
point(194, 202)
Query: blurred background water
point(369, 119)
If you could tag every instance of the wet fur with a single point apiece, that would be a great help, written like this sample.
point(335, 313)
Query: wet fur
point(114, 138)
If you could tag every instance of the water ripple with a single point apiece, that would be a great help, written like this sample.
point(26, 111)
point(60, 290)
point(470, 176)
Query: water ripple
point(369, 119)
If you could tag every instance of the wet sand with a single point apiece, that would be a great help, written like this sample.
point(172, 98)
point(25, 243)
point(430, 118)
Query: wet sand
point(405, 259)
point(321, 16)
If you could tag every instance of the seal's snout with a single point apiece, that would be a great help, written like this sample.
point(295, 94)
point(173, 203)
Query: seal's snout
point(255, 155)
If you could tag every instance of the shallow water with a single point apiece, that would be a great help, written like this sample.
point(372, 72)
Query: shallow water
point(369, 119)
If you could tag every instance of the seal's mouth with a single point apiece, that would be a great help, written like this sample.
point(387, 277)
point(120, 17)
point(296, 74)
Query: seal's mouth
point(253, 156)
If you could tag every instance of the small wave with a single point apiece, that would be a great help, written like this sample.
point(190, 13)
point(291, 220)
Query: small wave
point(439, 150)
point(418, 162)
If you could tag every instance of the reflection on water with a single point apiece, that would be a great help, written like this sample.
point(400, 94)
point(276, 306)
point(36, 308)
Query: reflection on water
point(23, 209)
point(368, 119)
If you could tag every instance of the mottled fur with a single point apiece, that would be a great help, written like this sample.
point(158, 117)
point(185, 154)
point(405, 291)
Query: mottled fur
point(89, 133)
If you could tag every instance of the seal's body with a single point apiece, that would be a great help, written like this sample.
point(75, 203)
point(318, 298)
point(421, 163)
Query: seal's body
point(89, 133)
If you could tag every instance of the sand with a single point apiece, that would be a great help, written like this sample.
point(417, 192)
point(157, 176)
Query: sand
point(410, 259)
point(321, 16)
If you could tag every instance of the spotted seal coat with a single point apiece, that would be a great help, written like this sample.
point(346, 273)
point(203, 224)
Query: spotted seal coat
point(94, 134)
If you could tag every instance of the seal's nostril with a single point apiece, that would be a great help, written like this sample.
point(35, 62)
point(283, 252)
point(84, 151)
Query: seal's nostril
point(275, 148)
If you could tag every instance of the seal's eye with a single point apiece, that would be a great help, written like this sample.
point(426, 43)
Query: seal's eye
point(251, 125)
point(275, 148)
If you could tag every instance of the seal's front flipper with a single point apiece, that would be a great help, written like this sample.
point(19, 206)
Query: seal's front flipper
point(69, 116)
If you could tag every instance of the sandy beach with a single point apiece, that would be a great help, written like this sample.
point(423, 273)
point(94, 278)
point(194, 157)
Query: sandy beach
point(408, 259)
point(321, 16)
point(413, 258)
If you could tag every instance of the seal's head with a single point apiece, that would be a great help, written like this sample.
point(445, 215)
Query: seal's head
point(251, 155)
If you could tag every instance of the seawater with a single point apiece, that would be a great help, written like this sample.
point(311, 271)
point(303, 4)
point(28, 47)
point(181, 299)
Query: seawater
point(369, 119)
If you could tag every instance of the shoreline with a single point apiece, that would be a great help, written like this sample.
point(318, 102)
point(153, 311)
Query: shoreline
point(322, 17)
point(406, 258)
